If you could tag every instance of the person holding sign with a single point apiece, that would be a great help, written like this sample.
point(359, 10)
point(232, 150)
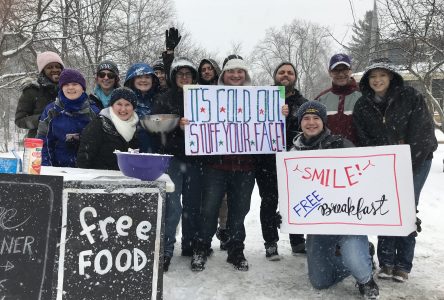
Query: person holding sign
point(284, 75)
point(114, 129)
point(230, 174)
point(390, 113)
point(331, 258)
point(63, 120)
point(185, 171)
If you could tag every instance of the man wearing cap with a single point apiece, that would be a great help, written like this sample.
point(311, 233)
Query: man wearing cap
point(326, 265)
point(107, 79)
point(340, 99)
point(36, 94)
point(159, 70)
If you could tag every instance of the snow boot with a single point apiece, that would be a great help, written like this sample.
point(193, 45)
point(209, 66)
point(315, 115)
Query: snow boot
point(199, 258)
point(236, 257)
point(271, 252)
point(166, 263)
point(369, 290)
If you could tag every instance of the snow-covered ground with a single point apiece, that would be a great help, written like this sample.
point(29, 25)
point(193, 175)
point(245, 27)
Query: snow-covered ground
point(287, 279)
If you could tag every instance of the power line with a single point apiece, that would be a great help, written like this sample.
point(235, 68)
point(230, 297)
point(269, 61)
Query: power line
point(352, 11)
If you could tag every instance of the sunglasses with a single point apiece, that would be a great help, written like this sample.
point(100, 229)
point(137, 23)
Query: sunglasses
point(103, 74)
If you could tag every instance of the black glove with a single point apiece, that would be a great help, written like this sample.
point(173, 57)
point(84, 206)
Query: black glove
point(418, 227)
point(278, 219)
point(172, 38)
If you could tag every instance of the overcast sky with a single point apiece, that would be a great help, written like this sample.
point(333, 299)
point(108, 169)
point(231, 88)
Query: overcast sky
point(217, 24)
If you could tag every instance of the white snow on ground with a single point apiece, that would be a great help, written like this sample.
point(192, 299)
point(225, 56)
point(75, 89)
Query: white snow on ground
point(287, 279)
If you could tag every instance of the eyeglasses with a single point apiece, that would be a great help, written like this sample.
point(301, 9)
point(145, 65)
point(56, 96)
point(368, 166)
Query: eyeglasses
point(110, 75)
point(184, 75)
point(341, 70)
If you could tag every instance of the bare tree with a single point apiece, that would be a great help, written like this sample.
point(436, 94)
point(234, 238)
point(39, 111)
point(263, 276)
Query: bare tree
point(413, 32)
point(304, 44)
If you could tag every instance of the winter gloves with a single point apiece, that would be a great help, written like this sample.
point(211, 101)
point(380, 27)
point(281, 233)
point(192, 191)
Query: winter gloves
point(172, 38)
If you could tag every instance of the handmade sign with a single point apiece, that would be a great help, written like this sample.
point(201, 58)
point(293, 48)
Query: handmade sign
point(234, 119)
point(30, 210)
point(347, 191)
point(111, 242)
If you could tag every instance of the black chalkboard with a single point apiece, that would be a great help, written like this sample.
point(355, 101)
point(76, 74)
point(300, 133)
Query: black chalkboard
point(30, 210)
point(100, 263)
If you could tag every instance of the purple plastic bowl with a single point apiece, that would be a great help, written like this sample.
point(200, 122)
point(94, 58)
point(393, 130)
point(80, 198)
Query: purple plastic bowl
point(144, 166)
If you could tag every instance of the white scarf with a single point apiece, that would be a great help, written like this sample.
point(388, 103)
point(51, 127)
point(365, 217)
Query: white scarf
point(125, 128)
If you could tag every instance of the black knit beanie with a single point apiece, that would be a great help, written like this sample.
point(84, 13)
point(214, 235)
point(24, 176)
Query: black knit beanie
point(123, 93)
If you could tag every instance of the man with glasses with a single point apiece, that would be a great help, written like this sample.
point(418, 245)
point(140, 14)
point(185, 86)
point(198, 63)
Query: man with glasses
point(341, 97)
point(107, 79)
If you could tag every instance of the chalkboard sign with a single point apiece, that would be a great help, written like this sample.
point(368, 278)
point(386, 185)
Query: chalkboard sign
point(30, 210)
point(111, 241)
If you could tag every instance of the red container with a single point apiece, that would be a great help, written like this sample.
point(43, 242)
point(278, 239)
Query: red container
point(32, 156)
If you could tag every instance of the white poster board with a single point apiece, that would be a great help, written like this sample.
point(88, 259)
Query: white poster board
point(234, 119)
point(347, 191)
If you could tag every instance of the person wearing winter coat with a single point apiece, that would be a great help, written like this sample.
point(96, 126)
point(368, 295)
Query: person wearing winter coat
point(331, 258)
point(266, 177)
point(107, 79)
point(208, 72)
point(390, 113)
point(159, 70)
point(341, 97)
point(36, 95)
point(230, 174)
point(114, 129)
point(184, 171)
point(141, 79)
point(63, 120)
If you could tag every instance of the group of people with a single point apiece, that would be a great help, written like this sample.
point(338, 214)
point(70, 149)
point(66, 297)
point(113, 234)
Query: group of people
point(81, 130)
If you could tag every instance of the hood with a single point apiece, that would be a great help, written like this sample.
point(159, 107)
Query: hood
point(215, 66)
point(181, 62)
point(138, 70)
point(384, 64)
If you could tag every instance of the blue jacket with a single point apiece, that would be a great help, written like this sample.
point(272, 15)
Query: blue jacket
point(60, 131)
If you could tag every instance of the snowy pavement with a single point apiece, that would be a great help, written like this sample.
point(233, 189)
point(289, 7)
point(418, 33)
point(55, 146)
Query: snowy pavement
point(287, 279)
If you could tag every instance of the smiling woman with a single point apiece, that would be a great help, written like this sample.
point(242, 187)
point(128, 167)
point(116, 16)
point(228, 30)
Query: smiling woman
point(114, 129)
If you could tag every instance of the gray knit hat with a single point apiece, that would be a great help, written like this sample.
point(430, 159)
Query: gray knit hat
point(312, 107)
point(123, 93)
point(379, 63)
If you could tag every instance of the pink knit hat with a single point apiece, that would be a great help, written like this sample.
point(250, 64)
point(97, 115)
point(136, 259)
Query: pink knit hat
point(47, 57)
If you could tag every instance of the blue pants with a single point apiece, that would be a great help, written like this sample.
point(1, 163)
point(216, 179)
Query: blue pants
point(239, 186)
point(326, 268)
point(398, 251)
point(187, 179)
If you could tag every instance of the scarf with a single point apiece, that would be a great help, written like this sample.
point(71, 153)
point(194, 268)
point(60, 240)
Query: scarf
point(101, 95)
point(314, 143)
point(125, 128)
point(72, 105)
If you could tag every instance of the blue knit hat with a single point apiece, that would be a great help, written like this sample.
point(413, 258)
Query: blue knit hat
point(123, 93)
point(70, 76)
point(312, 107)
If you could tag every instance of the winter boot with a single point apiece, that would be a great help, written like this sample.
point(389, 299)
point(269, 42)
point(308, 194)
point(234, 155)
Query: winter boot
point(298, 249)
point(369, 290)
point(199, 258)
point(271, 252)
point(222, 236)
point(166, 263)
point(237, 258)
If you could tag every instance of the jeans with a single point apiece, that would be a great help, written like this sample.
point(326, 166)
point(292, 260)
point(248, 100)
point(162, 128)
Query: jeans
point(266, 179)
point(326, 267)
point(187, 179)
point(398, 251)
point(239, 186)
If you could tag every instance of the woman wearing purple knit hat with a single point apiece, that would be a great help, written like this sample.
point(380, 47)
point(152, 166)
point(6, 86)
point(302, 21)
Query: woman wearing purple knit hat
point(63, 120)
point(36, 94)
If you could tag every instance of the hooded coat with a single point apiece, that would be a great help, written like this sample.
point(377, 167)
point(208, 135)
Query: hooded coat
point(36, 95)
point(171, 102)
point(402, 117)
point(216, 69)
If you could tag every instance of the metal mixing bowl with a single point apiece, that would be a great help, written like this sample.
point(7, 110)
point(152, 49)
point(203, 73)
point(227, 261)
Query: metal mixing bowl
point(161, 123)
